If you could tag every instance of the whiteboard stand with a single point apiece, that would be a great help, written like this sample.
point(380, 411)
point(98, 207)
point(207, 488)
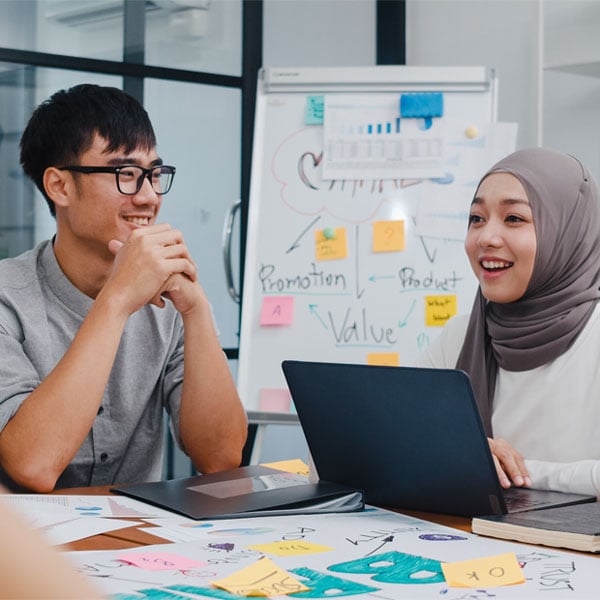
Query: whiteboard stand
point(257, 425)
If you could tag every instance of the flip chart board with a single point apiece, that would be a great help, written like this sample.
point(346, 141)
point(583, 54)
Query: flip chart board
point(360, 190)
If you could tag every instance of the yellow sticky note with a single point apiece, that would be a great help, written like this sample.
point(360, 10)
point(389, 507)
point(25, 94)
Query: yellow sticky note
point(386, 359)
point(388, 236)
point(331, 246)
point(438, 309)
point(290, 548)
point(262, 578)
point(295, 465)
point(492, 571)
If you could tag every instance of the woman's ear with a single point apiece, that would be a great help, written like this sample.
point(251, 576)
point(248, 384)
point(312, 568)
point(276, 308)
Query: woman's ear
point(58, 185)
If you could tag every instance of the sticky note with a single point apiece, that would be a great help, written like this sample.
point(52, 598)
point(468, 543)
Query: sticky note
point(388, 236)
point(424, 105)
point(438, 309)
point(314, 111)
point(262, 578)
point(290, 548)
point(386, 359)
point(274, 400)
point(160, 561)
point(421, 104)
point(295, 465)
point(331, 248)
point(277, 310)
point(491, 571)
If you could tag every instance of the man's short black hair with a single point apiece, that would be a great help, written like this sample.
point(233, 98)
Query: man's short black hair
point(63, 127)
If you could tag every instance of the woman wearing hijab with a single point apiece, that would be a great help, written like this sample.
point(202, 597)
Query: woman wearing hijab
point(532, 342)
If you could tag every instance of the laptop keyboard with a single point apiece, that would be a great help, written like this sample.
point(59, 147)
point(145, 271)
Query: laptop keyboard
point(517, 499)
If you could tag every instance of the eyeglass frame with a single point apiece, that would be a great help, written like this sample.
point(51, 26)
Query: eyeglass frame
point(146, 174)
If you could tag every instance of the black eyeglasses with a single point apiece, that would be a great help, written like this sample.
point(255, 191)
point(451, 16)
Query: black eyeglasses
point(130, 178)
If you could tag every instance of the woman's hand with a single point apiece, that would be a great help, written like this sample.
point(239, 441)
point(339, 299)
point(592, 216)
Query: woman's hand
point(510, 465)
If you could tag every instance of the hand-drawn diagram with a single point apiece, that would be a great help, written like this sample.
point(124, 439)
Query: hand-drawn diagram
point(374, 555)
point(357, 270)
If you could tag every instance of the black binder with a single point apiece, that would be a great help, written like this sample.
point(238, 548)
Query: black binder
point(246, 492)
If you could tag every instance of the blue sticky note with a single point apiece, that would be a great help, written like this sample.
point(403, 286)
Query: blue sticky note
point(314, 111)
point(422, 105)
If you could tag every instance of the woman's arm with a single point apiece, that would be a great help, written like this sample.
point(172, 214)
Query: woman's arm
point(579, 477)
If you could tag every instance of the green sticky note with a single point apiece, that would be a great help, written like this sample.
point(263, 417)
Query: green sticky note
point(314, 111)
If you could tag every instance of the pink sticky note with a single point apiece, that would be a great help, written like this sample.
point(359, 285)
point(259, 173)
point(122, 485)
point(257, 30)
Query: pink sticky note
point(274, 400)
point(160, 561)
point(277, 310)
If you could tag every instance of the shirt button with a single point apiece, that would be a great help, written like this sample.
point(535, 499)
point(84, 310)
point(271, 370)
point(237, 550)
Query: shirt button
point(104, 457)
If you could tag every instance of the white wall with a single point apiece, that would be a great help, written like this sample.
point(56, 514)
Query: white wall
point(502, 34)
point(312, 33)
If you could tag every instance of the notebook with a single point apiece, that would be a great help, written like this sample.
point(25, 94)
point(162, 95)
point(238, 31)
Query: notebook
point(408, 437)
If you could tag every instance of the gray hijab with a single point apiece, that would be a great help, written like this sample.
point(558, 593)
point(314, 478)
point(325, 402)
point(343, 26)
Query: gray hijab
point(564, 285)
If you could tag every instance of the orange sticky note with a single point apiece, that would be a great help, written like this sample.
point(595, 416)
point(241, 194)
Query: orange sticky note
point(438, 309)
point(330, 244)
point(492, 571)
point(262, 578)
point(277, 310)
point(387, 359)
point(160, 561)
point(388, 236)
point(274, 400)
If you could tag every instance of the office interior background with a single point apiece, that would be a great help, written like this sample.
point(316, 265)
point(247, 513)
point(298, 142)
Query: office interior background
point(193, 64)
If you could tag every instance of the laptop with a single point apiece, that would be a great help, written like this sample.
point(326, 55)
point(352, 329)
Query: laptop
point(408, 437)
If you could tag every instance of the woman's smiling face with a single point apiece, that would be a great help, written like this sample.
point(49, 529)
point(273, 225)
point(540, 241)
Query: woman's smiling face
point(501, 241)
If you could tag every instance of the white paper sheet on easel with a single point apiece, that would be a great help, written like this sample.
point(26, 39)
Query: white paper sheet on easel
point(443, 210)
point(365, 139)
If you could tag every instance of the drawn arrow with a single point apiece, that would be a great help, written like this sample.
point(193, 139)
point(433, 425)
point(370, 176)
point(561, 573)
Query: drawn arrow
point(430, 256)
point(296, 244)
point(403, 322)
point(359, 292)
point(374, 278)
point(388, 539)
point(313, 311)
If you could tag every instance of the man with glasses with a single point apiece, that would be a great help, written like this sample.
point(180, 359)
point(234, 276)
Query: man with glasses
point(106, 326)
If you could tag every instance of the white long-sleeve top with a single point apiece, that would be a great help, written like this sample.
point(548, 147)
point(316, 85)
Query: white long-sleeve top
point(550, 414)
